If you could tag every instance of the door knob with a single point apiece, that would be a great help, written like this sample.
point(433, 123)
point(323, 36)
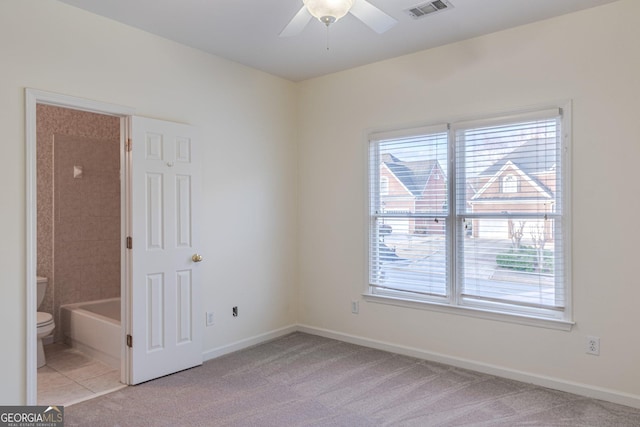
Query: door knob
point(196, 258)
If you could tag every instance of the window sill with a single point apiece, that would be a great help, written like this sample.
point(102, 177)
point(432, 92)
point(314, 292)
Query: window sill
point(561, 325)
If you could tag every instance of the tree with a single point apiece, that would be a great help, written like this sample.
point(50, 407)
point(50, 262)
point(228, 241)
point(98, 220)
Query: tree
point(539, 237)
point(517, 231)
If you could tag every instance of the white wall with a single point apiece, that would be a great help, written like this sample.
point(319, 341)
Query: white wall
point(247, 123)
point(592, 58)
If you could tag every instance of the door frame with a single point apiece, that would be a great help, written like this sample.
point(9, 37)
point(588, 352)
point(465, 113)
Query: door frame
point(32, 98)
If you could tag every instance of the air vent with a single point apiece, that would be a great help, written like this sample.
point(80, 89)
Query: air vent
point(424, 9)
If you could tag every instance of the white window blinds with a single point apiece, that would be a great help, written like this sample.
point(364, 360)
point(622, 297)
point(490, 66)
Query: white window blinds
point(408, 222)
point(509, 192)
point(472, 214)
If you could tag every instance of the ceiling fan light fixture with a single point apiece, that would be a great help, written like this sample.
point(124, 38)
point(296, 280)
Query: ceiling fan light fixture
point(328, 11)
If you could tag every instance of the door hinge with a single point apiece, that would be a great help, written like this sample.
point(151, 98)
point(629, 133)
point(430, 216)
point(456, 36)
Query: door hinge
point(129, 340)
point(129, 242)
point(129, 144)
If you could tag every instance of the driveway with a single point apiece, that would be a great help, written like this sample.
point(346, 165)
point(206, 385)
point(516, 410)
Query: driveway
point(421, 267)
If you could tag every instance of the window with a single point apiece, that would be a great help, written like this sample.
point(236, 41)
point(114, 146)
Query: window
point(510, 184)
point(384, 185)
point(459, 241)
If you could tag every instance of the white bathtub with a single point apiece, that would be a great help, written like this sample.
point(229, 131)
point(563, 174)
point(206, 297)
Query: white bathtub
point(93, 327)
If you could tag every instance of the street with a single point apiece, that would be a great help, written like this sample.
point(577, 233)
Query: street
point(420, 266)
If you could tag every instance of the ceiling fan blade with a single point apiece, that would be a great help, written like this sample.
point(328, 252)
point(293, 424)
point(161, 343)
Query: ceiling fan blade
point(373, 17)
point(297, 24)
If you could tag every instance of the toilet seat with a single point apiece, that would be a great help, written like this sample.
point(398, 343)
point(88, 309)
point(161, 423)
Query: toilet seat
point(44, 319)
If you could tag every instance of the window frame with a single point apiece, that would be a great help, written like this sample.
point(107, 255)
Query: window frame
point(455, 232)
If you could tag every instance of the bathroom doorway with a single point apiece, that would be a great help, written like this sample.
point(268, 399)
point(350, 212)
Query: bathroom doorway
point(78, 251)
point(76, 223)
point(159, 206)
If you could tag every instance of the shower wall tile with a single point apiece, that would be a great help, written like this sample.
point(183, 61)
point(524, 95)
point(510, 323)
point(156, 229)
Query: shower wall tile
point(77, 216)
point(80, 200)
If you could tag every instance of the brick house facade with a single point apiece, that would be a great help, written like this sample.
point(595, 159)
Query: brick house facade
point(413, 187)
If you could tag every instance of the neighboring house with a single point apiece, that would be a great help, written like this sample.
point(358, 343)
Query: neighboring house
point(523, 181)
point(413, 187)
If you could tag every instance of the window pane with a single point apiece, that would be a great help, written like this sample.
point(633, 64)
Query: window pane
point(517, 261)
point(408, 243)
point(406, 261)
point(509, 169)
point(509, 185)
point(414, 172)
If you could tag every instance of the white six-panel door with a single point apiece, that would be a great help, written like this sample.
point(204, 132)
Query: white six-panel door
point(165, 289)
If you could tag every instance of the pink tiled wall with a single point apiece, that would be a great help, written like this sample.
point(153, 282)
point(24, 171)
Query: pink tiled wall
point(78, 218)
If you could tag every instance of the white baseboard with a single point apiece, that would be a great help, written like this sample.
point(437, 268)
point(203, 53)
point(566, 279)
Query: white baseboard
point(248, 342)
point(541, 380)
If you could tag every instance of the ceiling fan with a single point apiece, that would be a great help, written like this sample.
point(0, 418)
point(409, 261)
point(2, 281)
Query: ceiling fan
point(329, 11)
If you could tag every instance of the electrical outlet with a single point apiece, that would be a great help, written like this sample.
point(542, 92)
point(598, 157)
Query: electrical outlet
point(355, 307)
point(593, 346)
point(235, 311)
point(209, 318)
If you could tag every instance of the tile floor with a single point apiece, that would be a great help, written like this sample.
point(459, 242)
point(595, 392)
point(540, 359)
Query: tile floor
point(71, 377)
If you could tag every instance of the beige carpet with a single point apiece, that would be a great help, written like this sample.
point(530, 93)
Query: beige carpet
point(305, 380)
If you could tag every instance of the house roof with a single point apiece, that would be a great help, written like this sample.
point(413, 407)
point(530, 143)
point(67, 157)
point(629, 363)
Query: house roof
point(532, 157)
point(413, 175)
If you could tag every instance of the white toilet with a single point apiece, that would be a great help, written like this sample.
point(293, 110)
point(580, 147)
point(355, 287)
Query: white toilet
point(45, 321)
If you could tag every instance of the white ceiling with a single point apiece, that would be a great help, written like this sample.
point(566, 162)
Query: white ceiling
point(246, 31)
